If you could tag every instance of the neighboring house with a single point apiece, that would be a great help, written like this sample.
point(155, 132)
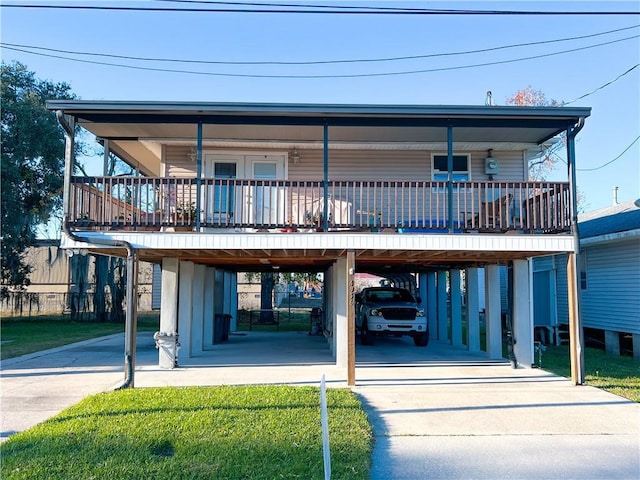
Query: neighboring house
point(61, 283)
point(609, 265)
point(223, 188)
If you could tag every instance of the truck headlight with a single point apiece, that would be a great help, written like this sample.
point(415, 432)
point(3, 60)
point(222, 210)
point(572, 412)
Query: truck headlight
point(375, 312)
point(420, 313)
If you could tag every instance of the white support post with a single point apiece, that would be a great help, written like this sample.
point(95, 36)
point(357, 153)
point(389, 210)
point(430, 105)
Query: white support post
point(233, 300)
point(197, 331)
point(209, 306)
point(522, 317)
point(169, 311)
point(329, 288)
point(218, 300)
point(473, 310)
point(493, 320)
point(340, 307)
point(456, 307)
point(185, 308)
point(422, 289)
point(432, 305)
point(226, 309)
point(443, 314)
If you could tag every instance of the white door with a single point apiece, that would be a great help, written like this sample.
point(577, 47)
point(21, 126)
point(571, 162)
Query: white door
point(267, 199)
point(230, 202)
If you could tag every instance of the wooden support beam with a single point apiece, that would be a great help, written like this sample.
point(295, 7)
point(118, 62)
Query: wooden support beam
point(351, 319)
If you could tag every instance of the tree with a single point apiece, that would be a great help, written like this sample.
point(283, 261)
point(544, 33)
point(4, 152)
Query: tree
point(32, 156)
point(539, 168)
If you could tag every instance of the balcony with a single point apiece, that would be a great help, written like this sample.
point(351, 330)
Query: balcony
point(276, 206)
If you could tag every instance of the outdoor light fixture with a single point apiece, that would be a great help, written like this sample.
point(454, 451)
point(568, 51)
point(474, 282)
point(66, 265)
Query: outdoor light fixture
point(193, 153)
point(295, 157)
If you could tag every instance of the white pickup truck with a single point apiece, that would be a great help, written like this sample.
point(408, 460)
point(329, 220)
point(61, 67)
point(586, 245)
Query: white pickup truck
point(390, 311)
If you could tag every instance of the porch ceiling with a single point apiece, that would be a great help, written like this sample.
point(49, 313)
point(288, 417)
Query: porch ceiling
point(127, 124)
point(319, 260)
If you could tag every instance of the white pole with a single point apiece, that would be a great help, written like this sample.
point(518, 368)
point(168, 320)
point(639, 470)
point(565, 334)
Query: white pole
point(325, 430)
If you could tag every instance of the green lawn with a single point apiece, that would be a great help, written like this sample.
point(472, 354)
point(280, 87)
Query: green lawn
point(619, 375)
point(246, 432)
point(22, 335)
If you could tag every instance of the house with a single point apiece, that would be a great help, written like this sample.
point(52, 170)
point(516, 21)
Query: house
point(222, 188)
point(61, 283)
point(609, 278)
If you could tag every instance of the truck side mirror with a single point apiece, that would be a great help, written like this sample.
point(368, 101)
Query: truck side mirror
point(358, 297)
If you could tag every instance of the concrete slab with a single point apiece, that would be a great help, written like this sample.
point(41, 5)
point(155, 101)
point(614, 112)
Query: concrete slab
point(437, 412)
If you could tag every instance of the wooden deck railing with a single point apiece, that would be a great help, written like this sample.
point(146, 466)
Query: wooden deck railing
point(406, 206)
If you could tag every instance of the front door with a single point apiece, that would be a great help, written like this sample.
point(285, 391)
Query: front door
point(231, 202)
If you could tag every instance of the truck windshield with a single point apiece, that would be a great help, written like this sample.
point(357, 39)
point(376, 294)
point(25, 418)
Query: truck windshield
point(384, 296)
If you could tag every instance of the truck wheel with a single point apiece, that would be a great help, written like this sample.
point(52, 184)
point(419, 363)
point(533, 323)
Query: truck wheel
point(421, 339)
point(366, 337)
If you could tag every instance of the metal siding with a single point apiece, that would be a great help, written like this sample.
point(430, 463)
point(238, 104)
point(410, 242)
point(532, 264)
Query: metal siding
point(612, 299)
point(361, 164)
point(562, 292)
point(178, 163)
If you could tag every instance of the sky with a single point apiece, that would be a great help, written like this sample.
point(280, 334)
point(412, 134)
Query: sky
point(464, 79)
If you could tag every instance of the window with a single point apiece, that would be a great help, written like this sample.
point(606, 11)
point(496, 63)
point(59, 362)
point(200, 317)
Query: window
point(461, 168)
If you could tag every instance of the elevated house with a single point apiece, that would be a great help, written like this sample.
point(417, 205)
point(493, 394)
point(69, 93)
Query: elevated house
point(609, 276)
point(384, 189)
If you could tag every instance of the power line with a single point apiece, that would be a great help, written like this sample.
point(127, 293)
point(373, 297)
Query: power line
point(603, 86)
point(321, 62)
point(611, 161)
point(355, 75)
point(324, 10)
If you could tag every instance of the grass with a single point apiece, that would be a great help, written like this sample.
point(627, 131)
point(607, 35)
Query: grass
point(246, 432)
point(294, 321)
point(618, 375)
point(22, 335)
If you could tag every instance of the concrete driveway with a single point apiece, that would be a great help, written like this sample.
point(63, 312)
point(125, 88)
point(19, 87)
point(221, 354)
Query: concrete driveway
point(437, 412)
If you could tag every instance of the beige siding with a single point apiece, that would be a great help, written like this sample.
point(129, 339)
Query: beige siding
point(362, 164)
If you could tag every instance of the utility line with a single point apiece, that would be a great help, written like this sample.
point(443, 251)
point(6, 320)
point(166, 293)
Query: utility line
point(323, 10)
point(611, 161)
point(321, 62)
point(356, 75)
point(603, 86)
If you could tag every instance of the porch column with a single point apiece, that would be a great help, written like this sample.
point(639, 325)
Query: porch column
point(450, 178)
point(198, 175)
point(197, 332)
point(330, 293)
point(351, 318)
point(209, 307)
point(576, 334)
point(522, 314)
point(218, 296)
point(325, 180)
point(226, 308)
point(169, 309)
point(473, 310)
point(233, 301)
point(432, 305)
point(422, 291)
point(185, 308)
point(456, 307)
point(443, 314)
point(340, 305)
point(493, 320)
